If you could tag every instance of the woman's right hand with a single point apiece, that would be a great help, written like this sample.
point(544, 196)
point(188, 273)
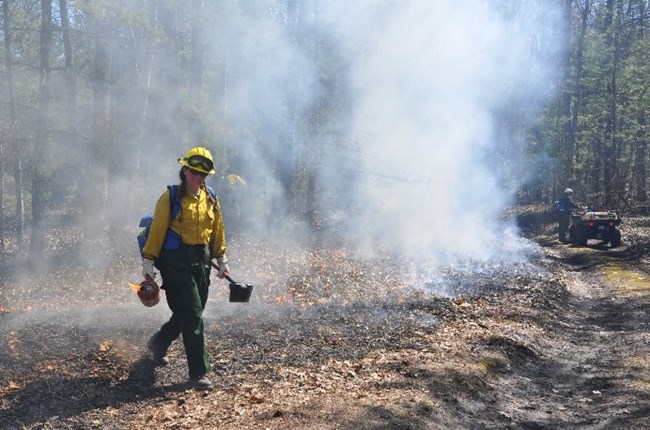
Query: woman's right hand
point(147, 268)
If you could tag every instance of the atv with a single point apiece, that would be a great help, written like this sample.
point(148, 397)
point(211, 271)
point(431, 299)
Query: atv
point(602, 225)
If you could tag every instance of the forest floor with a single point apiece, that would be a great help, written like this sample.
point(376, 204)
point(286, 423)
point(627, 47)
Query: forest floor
point(560, 341)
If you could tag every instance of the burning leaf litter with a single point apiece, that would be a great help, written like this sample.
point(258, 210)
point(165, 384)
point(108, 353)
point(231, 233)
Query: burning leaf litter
point(324, 331)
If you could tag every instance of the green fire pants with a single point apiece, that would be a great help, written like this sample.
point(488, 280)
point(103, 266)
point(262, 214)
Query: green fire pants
point(186, 279)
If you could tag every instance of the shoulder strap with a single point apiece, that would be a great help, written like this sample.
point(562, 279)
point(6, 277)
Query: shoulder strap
point(211, 192)
point(174, 200)
point(212, 196)
point(173, 239)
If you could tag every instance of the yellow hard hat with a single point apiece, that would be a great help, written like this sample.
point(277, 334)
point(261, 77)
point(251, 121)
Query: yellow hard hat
point(198, 158)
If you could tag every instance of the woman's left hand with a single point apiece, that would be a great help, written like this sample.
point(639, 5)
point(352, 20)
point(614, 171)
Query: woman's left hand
point(222, 263)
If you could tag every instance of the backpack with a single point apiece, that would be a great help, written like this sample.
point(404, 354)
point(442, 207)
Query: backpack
point(559, 206)
point(556, 206)
point(172, 240)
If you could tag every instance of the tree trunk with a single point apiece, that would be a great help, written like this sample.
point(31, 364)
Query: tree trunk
point(2, 195)
point(169, 73)
point(194, 132)
point(610, 148)
point(144, 79)
point(579, 73)
point(642, 135)
point(94, 188)
point(12, 115)
point(569, 131)
point(41, 143)
point(14, 144)
point(285, 158)
point(640, 172)
point(313, 47)
point(597, 169)
point(71, 82)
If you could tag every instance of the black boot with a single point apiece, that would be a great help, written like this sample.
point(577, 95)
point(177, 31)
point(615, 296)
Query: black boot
point(158, 356)
point(202, 383)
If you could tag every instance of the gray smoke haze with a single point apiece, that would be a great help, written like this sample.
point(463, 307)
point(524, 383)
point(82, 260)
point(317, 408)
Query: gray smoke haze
point(409, 161)
point(403, 157)
point(429, 79)
point(392, 111)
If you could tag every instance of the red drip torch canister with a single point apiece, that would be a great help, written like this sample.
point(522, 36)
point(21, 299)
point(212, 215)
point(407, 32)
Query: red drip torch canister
point(149, 292)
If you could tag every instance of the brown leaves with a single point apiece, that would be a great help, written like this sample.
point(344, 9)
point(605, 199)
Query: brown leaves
point(328, 340)
point(105, 345)
point(13, 385)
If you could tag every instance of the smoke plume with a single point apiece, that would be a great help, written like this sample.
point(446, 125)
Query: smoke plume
point(429, 96)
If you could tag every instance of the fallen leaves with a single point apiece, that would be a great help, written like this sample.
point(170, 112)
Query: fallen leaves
point(328, 339)
point(105, 345)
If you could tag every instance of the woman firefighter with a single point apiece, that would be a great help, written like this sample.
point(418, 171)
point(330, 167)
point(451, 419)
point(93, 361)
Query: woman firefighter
point(182, 248)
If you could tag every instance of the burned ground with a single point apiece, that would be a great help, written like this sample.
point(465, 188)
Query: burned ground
point(558, 341)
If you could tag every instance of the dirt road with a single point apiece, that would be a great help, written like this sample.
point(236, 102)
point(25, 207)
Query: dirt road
point(589, 368)
point(558, 343)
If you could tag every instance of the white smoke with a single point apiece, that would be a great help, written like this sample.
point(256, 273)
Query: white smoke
point(411, 159)
point(428, 76)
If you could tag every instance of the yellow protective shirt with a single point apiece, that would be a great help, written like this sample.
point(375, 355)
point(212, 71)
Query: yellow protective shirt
point(197, 223)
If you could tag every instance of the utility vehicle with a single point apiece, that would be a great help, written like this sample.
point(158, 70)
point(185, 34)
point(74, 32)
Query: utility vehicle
point(591, 224)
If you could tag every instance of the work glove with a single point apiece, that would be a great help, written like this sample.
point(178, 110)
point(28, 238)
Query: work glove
point(147, 268)
point(222, 263)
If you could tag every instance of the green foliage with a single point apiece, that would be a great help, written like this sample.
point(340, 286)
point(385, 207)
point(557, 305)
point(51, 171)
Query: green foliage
point(171, 81)
point(611, 103)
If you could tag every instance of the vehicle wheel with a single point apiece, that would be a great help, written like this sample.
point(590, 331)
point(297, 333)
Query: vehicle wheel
point(616, 238)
